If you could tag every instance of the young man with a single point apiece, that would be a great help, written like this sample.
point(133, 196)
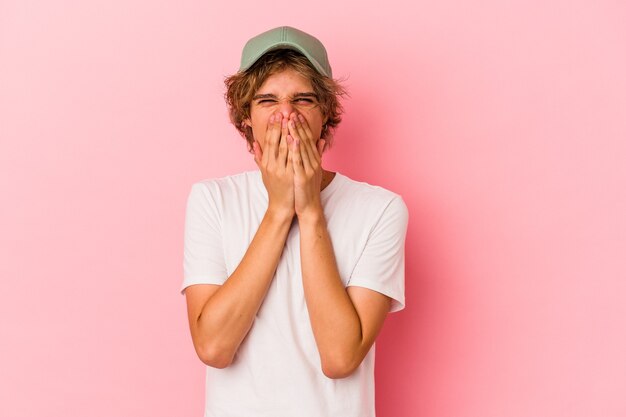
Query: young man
point(290, 270)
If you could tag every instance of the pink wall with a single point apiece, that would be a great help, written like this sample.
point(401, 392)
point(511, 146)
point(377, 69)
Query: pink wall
point(503, 125)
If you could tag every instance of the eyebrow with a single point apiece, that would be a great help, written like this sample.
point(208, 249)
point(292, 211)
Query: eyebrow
point(297, 95)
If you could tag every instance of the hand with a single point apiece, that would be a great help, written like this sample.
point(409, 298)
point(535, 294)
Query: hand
point(305, 151)
point(276, 167)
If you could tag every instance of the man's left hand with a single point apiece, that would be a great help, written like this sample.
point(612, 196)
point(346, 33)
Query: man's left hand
point(306, 153)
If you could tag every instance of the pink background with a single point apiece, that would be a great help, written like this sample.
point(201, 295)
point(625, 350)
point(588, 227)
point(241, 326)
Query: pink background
point(502, 124)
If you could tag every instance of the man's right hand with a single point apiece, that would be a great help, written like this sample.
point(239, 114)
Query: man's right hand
point(274, 162)
point(220, 316)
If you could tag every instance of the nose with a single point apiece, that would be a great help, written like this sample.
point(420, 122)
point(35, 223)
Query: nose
point(286, 108)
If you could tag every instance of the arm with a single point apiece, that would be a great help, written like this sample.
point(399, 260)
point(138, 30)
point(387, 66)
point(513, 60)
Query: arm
point(345, 323)
point(221, 316)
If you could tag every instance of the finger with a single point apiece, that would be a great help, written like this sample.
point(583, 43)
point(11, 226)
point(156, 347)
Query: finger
point(304, 126)
point(302, 133)
point(302, 146)
point(293, 132)
point(290, 153)
point(296, 158)
point(308, 145)
point(268, 134)
point(296, 130)
point(283, 148)
point(320, 146)
point(309, 150)
point(278, 118)
point(274, 137)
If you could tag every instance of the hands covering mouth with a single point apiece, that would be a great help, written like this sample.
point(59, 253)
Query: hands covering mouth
point(291, 166)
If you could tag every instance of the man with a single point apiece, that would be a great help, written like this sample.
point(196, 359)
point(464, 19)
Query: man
point(290, 270)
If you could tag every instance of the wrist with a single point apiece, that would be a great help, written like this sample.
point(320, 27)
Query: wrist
point(311, 217)
point(279, 214)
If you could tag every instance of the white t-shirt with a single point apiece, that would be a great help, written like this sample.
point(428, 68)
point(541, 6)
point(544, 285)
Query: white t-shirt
point(277, 370)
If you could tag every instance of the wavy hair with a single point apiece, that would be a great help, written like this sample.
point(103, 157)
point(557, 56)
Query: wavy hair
point(242, 86)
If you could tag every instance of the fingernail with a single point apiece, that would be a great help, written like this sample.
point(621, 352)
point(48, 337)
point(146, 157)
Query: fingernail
point(301, 117)
point(272, 118)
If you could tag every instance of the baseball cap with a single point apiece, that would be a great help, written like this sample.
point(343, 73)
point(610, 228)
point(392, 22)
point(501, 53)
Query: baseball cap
point(286, 37)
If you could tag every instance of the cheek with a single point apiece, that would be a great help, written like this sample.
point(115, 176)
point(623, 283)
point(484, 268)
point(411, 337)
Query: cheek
point(258, 135)
point(258, 125)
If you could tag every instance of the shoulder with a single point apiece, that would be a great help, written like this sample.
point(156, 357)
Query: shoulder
point(226, 190)
point(227, 186)
point(361, 205)
point(368, 195)
point(243, 179)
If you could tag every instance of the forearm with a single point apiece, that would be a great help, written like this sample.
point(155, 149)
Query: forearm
point(334, 319)
point(228, 314)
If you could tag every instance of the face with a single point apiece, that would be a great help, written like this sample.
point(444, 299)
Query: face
point(285, 92)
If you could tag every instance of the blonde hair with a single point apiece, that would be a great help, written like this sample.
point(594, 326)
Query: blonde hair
point(241, 87)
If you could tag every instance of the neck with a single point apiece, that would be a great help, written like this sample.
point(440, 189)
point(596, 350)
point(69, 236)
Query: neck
point(327, 177)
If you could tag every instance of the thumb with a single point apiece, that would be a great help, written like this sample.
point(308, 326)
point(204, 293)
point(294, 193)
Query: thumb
point(320, 146)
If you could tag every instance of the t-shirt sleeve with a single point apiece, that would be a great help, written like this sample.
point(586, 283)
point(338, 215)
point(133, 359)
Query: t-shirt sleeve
point(203, 260)
point(381, 265)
